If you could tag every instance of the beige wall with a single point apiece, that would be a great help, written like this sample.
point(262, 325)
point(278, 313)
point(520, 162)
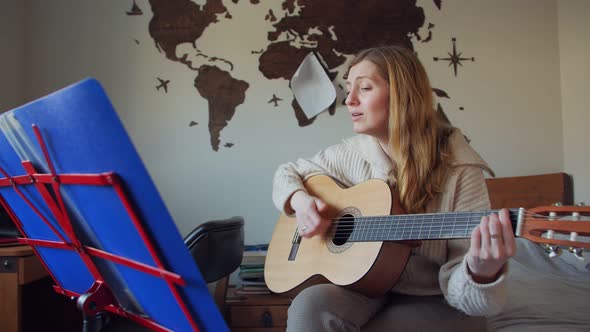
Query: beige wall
point(510, 95)
point(11, 54)
point(574, 54)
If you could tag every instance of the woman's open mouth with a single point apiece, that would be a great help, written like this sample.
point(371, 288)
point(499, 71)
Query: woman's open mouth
point(356, 115)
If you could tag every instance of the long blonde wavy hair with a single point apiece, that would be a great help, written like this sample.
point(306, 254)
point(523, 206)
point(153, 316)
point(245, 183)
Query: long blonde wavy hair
point(418, 134)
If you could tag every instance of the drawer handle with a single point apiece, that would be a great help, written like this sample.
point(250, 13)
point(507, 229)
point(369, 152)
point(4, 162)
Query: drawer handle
point(9, 265)
point(266, 319)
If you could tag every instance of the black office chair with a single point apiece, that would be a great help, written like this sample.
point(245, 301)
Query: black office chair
point(217, 247)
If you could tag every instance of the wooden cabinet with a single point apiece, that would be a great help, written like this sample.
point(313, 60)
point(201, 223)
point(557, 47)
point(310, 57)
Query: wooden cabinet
point(18, 267)
point(256, 313)
point(27, 300)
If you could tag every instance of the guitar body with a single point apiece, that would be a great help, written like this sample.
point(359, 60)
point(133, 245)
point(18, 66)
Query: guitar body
point(371, 268)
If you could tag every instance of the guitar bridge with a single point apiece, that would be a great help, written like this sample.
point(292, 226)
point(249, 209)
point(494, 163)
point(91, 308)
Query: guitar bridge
point(294, 246)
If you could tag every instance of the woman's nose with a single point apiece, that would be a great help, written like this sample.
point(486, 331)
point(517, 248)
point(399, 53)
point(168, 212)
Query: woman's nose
point(351, 99)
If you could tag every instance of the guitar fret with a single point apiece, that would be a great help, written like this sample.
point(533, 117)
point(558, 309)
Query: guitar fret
point(430, 229)
point(454, 223)
point(465, 233)
point(370, 237)
point(384, 227)
point(420, 229)
point(434, 228)
point(403, 227)
point(408, 227)
point(419, 224)
point(378, 234)
point(363, 230)
point(393, 223)
point(466, 229)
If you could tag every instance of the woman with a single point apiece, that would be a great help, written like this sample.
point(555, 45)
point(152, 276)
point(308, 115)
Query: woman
point(403, 141)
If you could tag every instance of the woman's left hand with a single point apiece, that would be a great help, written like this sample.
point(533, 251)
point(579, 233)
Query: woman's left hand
point(492, 244)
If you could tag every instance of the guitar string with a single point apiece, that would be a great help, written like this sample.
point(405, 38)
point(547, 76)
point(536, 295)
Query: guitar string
point(378, 224)
point(471, 216)
point(438, 229)
point(410, 228)
point(374, 223)
point(438, 215)
point(411, 222)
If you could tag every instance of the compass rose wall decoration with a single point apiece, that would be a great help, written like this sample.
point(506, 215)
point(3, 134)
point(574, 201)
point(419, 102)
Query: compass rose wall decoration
point(135, 10)
point(455, 58)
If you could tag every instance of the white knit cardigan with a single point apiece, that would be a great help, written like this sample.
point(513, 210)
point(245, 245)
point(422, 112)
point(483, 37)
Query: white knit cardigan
point(436, 266)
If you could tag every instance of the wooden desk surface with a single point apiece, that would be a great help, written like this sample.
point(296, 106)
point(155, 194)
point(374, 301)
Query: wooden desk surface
point(255, 299)
point(18, 250)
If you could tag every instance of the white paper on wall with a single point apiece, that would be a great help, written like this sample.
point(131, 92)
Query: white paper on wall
point(312, 87)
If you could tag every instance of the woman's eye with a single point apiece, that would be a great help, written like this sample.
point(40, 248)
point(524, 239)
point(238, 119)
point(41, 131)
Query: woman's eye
point(365, 89)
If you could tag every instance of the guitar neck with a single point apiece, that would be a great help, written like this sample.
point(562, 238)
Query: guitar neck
point(428, 226)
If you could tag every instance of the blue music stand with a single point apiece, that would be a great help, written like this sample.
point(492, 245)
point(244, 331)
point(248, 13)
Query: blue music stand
point(79, 193)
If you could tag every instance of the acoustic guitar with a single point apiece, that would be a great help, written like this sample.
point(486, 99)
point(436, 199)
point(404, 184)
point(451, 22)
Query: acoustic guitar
point(361, 249)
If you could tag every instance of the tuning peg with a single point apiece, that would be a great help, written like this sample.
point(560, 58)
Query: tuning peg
point(557, 204)
point(553, 251)
point(577, 252)
point(581, 204)
point(552, 216)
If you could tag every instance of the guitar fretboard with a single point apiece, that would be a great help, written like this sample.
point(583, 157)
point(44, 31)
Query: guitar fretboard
point(427, 226)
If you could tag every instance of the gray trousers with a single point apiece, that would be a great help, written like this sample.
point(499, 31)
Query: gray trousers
point(327, 307)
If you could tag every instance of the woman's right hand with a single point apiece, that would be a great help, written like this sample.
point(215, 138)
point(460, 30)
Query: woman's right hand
point(308, 212)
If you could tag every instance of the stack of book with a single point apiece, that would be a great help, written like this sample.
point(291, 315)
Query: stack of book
point(251, 272)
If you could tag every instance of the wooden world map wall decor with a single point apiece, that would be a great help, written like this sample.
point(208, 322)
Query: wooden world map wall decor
point(332, 29)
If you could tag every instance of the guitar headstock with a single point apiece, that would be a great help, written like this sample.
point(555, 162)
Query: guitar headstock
point(557, 227)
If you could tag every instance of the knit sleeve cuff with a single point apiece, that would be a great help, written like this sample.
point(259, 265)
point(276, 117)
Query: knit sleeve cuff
point(285, 184)
point(501, 276)
point(287, 209)
point(473, 298)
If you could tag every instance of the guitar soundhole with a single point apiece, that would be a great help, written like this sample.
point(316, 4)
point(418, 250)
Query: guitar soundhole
point(343, 229)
